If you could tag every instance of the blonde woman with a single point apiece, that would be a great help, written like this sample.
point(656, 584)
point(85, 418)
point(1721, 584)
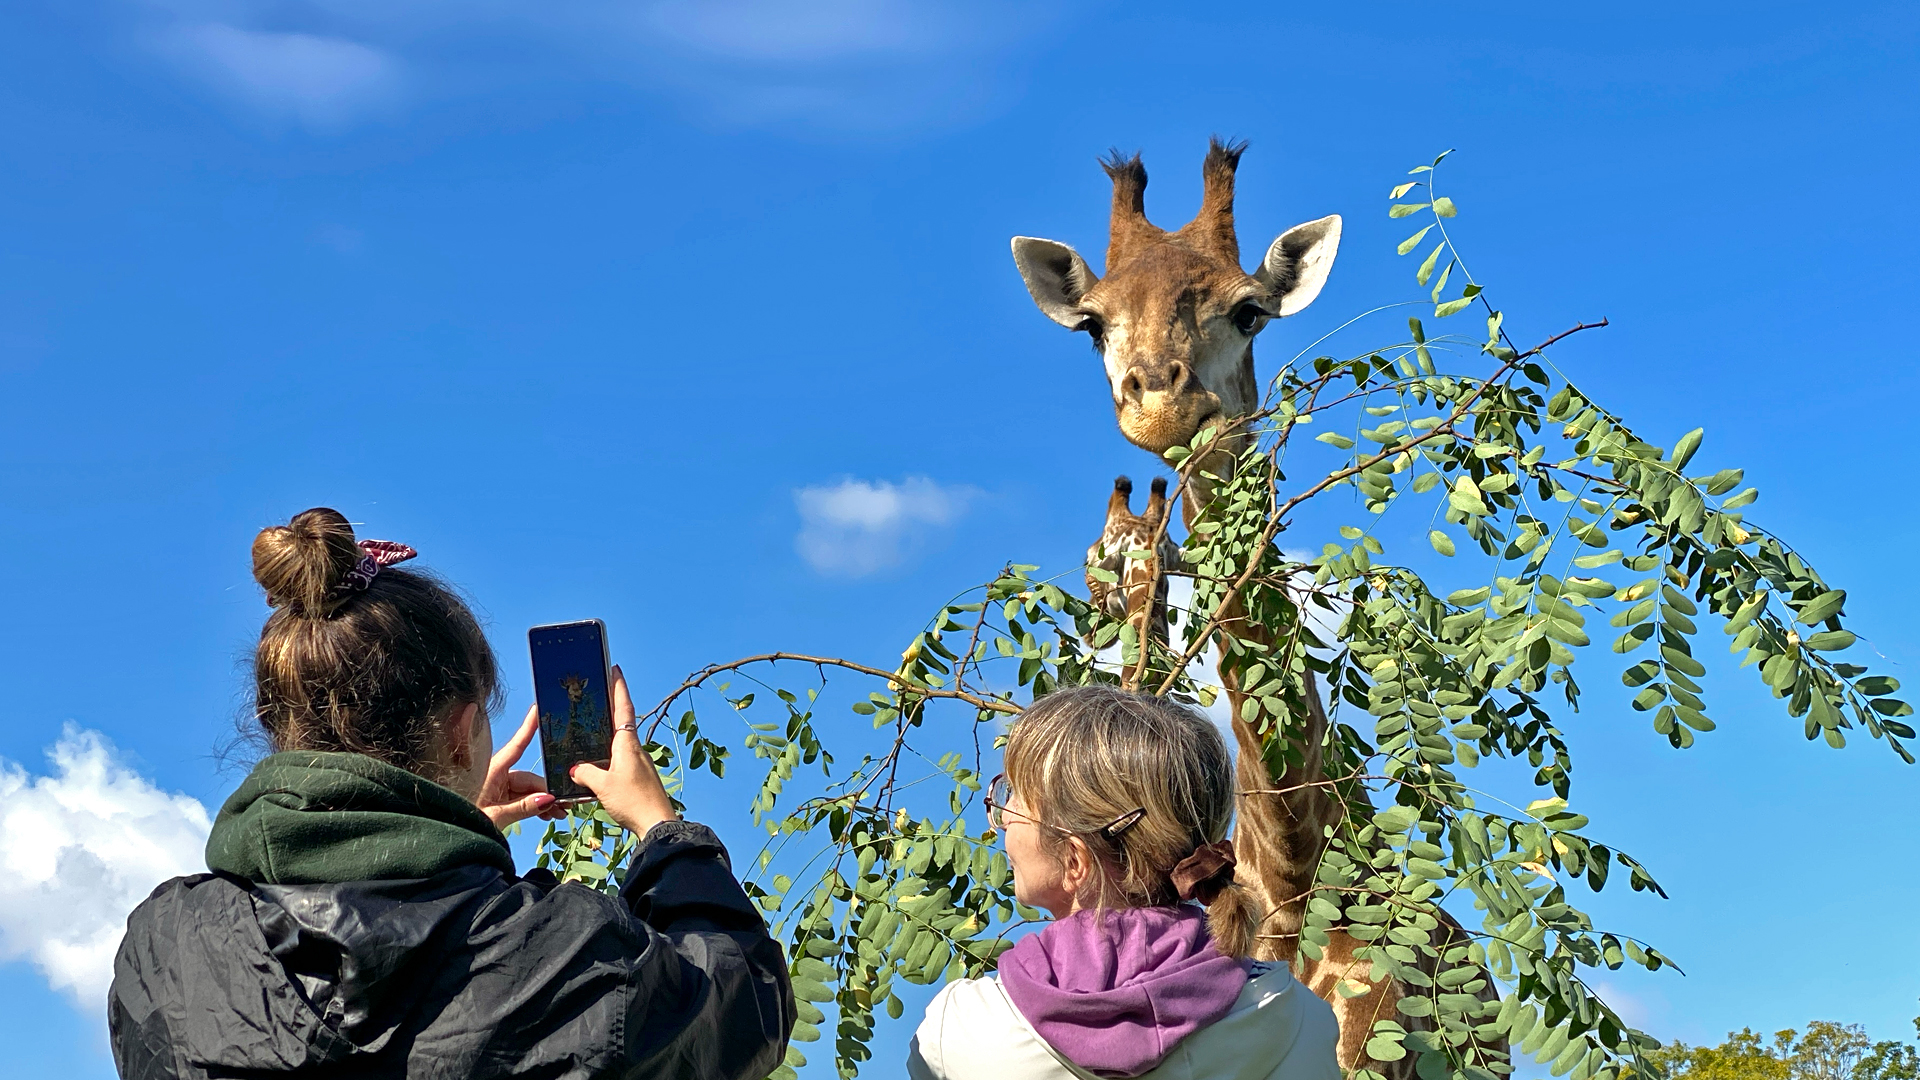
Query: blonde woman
point(1114, 807)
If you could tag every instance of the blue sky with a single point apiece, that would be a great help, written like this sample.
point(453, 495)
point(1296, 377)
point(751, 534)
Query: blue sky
point(699, 318)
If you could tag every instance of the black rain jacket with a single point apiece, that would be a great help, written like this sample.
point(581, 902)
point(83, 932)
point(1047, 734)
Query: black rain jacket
point(471, 973)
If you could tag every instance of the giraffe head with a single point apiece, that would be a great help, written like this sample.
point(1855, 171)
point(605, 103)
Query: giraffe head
point(1175, 317)
point(1126, 597)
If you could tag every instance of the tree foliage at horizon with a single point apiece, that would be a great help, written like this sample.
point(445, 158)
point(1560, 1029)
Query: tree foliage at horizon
point(885, 870)
point(1828, 1051)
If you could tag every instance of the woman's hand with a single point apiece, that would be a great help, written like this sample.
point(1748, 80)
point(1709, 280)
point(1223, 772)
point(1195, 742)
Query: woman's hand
point(508, 794)
point(629, 789)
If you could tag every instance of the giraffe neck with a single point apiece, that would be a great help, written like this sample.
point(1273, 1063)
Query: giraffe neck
point(1280, 815)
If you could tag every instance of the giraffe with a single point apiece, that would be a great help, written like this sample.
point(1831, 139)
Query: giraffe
point(1174, 321)
point(1126, 531)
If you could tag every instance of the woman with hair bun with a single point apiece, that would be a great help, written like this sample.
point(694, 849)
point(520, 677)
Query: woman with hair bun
point(1115, 808)
point(363, 917)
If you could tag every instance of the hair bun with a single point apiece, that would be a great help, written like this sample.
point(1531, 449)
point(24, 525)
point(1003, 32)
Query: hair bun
point(301, 562)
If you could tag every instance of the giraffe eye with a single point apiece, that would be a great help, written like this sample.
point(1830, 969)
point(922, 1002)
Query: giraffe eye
point(1247, 317)
point(1094, 329)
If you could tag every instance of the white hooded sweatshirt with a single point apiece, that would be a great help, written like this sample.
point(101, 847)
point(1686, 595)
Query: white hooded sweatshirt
point(1276, 1030)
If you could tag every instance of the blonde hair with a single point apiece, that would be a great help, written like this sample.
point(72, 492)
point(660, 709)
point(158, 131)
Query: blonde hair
point(372, 671)
point(1082, 757)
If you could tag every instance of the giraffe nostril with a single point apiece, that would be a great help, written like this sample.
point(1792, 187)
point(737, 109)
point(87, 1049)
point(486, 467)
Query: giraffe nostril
point(1132, 386)
point(1177, 373)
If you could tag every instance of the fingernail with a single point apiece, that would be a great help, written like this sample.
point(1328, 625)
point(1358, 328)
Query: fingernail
point(542, 801)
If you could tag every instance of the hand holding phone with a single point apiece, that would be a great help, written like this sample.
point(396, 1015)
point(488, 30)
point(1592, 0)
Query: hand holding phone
point(629, 789)
point(587, 735)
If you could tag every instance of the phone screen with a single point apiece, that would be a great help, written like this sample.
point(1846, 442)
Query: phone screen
point(571, 689)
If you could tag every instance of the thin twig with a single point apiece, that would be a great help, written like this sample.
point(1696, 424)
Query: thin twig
point(658, 714)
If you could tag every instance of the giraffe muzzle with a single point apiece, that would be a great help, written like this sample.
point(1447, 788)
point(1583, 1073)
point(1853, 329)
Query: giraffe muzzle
point(1161, 406)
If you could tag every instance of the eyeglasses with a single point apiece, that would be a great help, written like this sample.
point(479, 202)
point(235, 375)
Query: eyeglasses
point(999, 796)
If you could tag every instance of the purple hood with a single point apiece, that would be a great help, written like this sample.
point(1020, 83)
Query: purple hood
point(1115, 991)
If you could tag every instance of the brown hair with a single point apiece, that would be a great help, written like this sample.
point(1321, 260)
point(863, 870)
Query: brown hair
point(1079, 758)
point(371, 672)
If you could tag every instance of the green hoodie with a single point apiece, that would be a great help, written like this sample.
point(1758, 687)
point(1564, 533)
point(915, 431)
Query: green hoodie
point(310, 818)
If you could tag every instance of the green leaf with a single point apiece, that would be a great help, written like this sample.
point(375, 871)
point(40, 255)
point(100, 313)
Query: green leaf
point(1426, 268)
point(1334, 438)
point(1402, 189)
point(1396, 819)
point(1723, 481)
point(1694, 718)
point(1683, 450)
point(1830, 640)
point(1451, 306)
point(811, 990)
point(1413, 241)
point(1822, 607)
point(1444, 207)
point(1576, 1050)
point(1400, 210)
point(1876, 685)
point(1385, 1048)
point(1564, 631)
point(1465, 497)
point(1565, 822)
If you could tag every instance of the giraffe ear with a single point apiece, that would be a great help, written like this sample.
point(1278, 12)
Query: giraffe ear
point(1297, 264)
point(1057, 277)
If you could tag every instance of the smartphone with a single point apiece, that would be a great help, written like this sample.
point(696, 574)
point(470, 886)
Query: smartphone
point(572, 687)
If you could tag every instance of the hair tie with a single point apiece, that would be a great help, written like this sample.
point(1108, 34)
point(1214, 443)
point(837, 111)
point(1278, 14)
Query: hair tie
point(374, 554)
point(1202, 875)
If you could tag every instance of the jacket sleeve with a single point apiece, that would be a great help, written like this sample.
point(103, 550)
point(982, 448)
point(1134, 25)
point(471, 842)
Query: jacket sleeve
point(713, 1000)
point(136, 1022)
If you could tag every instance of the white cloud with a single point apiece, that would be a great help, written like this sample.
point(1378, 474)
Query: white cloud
point(847, 65)
point(855, 528)
point(805, 30)
point(78, 850)
point(321, 81)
